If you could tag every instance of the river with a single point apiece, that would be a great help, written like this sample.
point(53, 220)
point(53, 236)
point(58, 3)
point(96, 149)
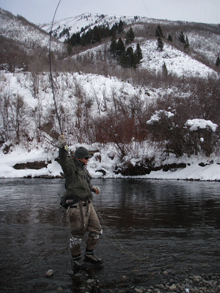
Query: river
point(150, 227)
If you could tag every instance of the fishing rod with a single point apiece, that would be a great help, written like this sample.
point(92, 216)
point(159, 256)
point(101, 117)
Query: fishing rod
point(51, 75)
point(117, 242)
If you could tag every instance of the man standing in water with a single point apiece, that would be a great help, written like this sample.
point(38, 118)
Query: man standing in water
point(81, 213)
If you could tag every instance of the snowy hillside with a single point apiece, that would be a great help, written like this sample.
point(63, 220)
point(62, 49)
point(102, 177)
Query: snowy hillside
point(101, 94)
point(89, 20)
point(86, 20)
point(95, 88)
point(204, 39)
point(206, 45)
point(177, 62)
point(26, 33)
point(109, 111)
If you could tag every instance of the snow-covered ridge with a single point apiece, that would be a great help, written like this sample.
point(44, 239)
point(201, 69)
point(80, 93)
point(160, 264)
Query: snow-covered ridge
point(203, 42)
point(18, 29)
point(203, 38)
point(85, 20)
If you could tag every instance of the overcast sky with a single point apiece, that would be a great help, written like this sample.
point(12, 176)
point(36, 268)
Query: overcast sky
point(42, 11)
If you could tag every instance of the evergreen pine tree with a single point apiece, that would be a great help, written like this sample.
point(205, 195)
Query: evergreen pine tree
point(120, 48)
point(217, 63)
point(186, 43)
point(113, 45)
point(158, 32)
point(114, 29)
point(83, 40)
point(138, 54)
point(127, 59)
point(96, 35)
point(182, 38)
point(130, 57)
point(122, 60)
point(160, 44)
point(169, 39)
point(75, 39)
point(164, 69)
point(120, 27)
point(129, 36)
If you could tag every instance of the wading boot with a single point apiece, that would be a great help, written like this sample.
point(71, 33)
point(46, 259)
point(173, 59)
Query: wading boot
point(76, 263)
point(91, 258)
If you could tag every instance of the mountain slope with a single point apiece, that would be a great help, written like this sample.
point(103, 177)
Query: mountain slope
point(204, 40)
point(198, 60)
point(86, 20)
point(111, 108)
point(28, 36)
point(200, 35)
point(178, 63)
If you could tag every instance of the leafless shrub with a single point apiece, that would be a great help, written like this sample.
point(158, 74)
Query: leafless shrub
point(14, 115)
point(12, 54)
point(200, 141)
point(201, 104)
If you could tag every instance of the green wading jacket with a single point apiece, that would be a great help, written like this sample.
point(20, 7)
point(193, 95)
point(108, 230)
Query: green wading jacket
point(77, 178)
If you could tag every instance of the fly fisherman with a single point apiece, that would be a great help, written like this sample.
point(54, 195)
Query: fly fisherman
point(80, 210)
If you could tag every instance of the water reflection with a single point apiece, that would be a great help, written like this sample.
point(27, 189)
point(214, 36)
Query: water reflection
point(122, 203)
point(161, 204)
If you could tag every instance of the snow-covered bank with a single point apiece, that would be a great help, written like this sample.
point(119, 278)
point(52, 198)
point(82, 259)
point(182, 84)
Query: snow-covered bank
point(193, 172)
point(197, 168)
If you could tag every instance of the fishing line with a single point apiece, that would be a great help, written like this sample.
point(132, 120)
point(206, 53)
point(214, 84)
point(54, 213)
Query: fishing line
point(146, 8)
point(158, 31)
point(127, 252)
point(50, 62)
point(120, 247)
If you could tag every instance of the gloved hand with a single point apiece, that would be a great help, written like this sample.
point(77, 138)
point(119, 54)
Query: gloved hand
point(62, 141)
point(96, 189)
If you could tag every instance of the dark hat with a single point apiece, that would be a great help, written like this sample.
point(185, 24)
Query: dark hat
point(82, 152)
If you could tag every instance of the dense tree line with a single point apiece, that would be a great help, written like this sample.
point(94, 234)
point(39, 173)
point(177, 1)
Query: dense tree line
point(94, 35)
point(126, 57)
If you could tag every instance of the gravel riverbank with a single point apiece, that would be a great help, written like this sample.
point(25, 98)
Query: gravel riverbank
point(205, 283)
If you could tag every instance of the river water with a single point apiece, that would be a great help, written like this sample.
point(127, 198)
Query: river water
point(150, 227)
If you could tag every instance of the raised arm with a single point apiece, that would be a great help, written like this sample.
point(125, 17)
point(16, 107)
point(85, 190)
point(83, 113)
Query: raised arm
point(63, 155)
